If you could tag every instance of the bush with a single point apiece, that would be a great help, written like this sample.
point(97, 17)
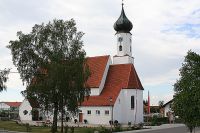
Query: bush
point(40, 118)
point(67, 118)
point(4, 118)
point(72, 129)
point(115, 122)
point(75, 120)
point(178, 120)
point(104, 130)
point(111, 122)
point(159, 120)
point(85, 121)
point(28, 128)
point(66, 129)
point(135, 127)
point(118, 128)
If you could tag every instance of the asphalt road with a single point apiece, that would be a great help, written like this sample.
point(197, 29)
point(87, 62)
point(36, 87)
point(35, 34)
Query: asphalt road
point(172, 130)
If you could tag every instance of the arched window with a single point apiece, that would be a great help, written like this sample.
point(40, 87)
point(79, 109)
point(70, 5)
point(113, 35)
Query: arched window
point(132, 102)
point(130, 48)
point(120, 48)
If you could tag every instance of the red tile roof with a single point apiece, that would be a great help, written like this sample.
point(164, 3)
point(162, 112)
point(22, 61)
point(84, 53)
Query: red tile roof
point(97, 67)
point(122, 76)
point(13, 104)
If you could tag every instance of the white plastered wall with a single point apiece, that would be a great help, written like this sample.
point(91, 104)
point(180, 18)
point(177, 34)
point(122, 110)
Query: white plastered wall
point(122, 107)
point(93, 118)
point(123, 60)
point(125, 43)
point(167, 109)
point(25, 105)
point(4, 106)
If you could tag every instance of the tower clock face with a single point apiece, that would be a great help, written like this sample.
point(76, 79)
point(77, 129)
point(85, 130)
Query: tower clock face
point(120, 39)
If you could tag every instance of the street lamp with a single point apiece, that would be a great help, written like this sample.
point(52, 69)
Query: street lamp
point(110, 100)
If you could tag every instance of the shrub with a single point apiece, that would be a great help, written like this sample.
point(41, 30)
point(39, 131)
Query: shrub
point(111, 122)
point(178, 120)
point(75, 120)
point(40, 118)
point(104, 130)
point(118, 128)
point(28, 128)
point(72, 129)
point(85, 121)
point(67, 118)
point(115, 122)
point(66, 129)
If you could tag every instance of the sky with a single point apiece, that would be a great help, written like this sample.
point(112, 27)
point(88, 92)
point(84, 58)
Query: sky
point(163, 31)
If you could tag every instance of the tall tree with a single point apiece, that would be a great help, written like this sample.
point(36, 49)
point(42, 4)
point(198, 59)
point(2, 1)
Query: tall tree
point(3, 78)
point(186, 103)
point(51, 61)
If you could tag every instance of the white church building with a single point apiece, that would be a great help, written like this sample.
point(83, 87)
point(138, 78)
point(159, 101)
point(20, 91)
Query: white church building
point(116, 90)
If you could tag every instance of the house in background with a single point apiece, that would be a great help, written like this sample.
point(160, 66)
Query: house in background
point(167, 108)
point(29, 111)
point(116, 90)
point(10, 109)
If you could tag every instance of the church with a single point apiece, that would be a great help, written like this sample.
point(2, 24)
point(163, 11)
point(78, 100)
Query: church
point(116, 90)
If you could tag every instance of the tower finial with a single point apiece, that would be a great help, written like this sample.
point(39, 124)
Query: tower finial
point(122, 3)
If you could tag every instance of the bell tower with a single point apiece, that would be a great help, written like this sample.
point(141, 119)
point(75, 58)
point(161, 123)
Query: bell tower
point(123, 26)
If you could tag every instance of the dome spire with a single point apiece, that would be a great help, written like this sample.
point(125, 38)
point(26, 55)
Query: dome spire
point(123, 24)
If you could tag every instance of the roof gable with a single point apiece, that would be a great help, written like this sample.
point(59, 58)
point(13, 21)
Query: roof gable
point(134, 81)
point(122, 76)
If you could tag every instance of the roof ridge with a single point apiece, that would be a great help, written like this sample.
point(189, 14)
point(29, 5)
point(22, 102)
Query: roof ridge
point(98, 56)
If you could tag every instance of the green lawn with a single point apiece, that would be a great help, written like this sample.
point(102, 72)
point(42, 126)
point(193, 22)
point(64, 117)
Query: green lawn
point(12, 126)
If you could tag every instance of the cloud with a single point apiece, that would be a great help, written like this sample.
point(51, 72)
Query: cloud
point(163, 32)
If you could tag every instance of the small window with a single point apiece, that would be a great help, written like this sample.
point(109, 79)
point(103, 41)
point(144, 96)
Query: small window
point(120, 39)
point(132, 102)
point(89, 112)
point(120, 48)
point(130, 48)
point(106, 112)
point(25, 112)
point(97, 112)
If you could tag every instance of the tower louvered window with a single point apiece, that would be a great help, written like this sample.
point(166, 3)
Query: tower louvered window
point(120, 48)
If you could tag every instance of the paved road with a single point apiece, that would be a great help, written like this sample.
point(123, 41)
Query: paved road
point(169, 130)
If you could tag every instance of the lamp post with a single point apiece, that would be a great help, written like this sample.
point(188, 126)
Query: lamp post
point(110, 100)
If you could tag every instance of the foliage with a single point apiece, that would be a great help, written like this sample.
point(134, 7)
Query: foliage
point(66, 128)
point(3, 78)
point(161, 103)
point(28, 128)
point(75, 121)
point(51, 61)
point(104, 130)
point(12, 126)
point(186, 103)
point(145, 102)
point(85, 121)
point(117, 127)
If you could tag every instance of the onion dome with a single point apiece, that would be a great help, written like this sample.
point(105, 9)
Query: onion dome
point(123, 24)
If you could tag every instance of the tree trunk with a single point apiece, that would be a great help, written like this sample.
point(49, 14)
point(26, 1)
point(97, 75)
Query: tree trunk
point(62, 120)
point(55, 114)
point(62, 113)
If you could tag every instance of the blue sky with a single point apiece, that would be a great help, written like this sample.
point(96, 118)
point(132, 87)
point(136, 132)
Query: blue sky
point(163, 32)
